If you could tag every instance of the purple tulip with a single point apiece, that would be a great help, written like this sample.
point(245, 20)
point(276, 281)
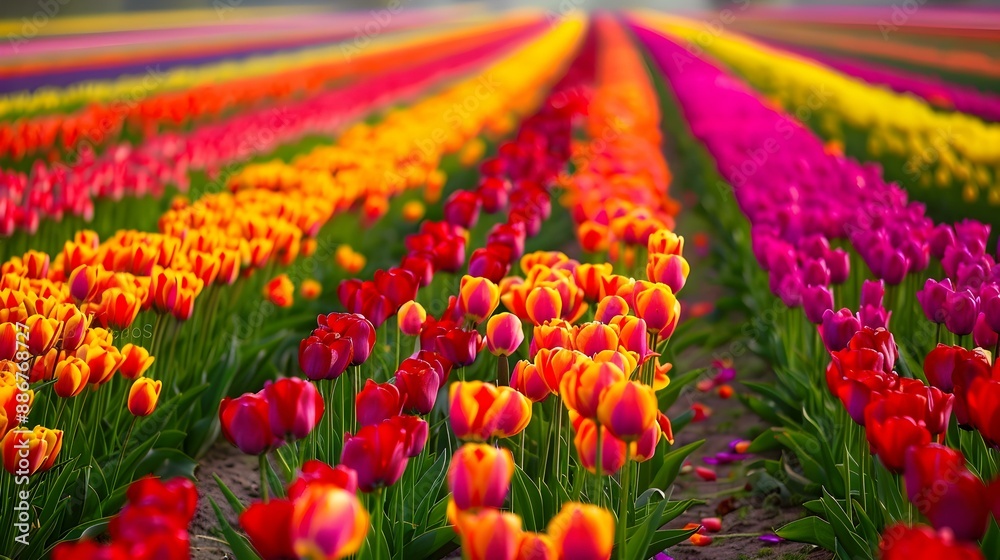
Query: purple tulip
point(894, 267)
point(816, 301)
point(942, 237)
point(839, 263)
point(872, 292)
point(815, 273)
point(933, 298)
point(838, 328)
point(989, 304)
point(962, 309)
point(982, 334)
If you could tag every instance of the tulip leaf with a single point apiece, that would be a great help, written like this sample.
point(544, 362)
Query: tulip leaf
point(672, 463)
point(667, 396)
point(428, 488)
point(234, 502)
point(843, 528)
point(771, 393)
point(812, 530)
point(664, 539)
point(166, 463)
point(766, 441)
point(431, 542)
point(239, 544)
point(760, 408)
point(865, 523)
point(527, 498)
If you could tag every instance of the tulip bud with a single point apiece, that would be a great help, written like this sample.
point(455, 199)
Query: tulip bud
point(83, 283)
point(143, 395)
point(71, 375)
point(838, 328)
point(581, 389)
point(628, 409)
point(962, 309)
point(459, 346)
point(327, 522)
point(295, 407)
point(478, 297)
point(529, 382)
point(268, 525)
point(671, 270)
point(543, 304)
point(933, 299)
point(246, 423)
point(489, 534)
point(583, 532)
point(479, 476)
point(593, 338)
point(504, 334)
point(659, 308)
point(411, 317)
point(26, 452)
point(135, 361)
point(816, 301)
point(537, 546)
point(377, 402)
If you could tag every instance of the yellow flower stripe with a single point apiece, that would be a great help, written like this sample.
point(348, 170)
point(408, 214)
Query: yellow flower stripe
point(942, 148)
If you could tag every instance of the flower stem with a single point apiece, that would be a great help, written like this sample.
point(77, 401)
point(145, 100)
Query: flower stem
point(262, 458)
point(379, 515)
point(623, 503)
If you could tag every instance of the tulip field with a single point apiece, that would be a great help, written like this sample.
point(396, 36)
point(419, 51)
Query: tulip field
point(422, 284)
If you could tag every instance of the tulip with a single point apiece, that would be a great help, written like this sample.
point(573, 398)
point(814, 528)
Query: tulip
point(933, 299)
point(890, 436)
point(583, 532)
point(982, 335)
point(612, 448)
point(945, 492)
point(71, 375)
point(479, 411)
point(962, 309)
point(310, 289)
point(537, 546)
point(411, 317)
point(628, 409)
point(816, 301)
point(26, 452)
point(460, 347)
point(328, 522)
point(441, 365)
point(513, 413)
point(135, 361)
point(588, 277)
point(143, 395)
point(504, 334)
point(418, 385)
point(479, 476)
point(325, 354)
point(280, 291)
point(609, 308)
point(582, 389)
point(594, 337)
point(543, 304)
point(838, 328)
point(316, 472)
point(177, 496)
point(659, 308)
point(421, 266)
point(489, 534)
point(377, 453)
point(83, 283)
point(632, 336)
point(399, 285)
point(462, 209)
point(358, 329)
point(246, 423)
point(376, 402)
point(41, 334)
point(983, 401)
point(900, 542)
point(664, 241)
point(529, 382)
point(671, 270)
point(268, 525)
point(416, 430)
point(551, 335)
point(295, 407)
point(491, 262)
point(103, 362)
point(478, 298)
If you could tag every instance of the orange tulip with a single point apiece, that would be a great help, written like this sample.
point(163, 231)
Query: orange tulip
point(589, 276)
point(411, 317)
point(581, 389)
point(628, 409)
point(310, 289)
point(504, 334)
point(143, 395)
point(328, 523)
point(595, 337)
point(103, 362)
point(543, 304)
point(83, 283)
point(556, 365)
point(671, 270)
point(526, 379)
point(479, 476)
point(612, 448)
point(478, 298)
point(610, 307)
point(583, 532)
point(9, 336)
point(42, 333)
point(280, 291)
point(593, 236)
point(229, 266)
point(26, 452)
point(118, 309)
point(552, 335)
point(537, 546)
point(665, 242)
point(71, 375)
point(657, 305)
point(413, 211)
point(489, 534)
point(36, 265)
point(479, 411)
point(135, 361)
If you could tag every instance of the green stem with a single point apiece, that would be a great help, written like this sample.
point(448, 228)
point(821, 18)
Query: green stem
point(623, 503)
point(379, 516)
point(121, 456)
point(262, 458)
point(599, 466)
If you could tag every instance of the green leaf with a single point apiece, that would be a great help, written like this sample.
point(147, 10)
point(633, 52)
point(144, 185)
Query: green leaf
point(766, 441)
point(528, 500)
point(166, 463)
point(672, 463)
point(430, 543)
point(667, 396)
point(666, 538)
point(238, 543)
point(234, 502)
point(812, 530)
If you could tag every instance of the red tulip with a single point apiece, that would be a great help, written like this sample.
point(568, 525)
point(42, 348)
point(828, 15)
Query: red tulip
point(315, 471)
point(91, 550)
point(890, 436)
point(377, 453)
point(900, 542)
point(296, 407)
point(945, 492)
point(983, 399)
point(355, 327)
point(325, 354)
point(491, 262)
point(462, 208)
point(246, 423)
point(176, 496)
point(269, 528)
point(416, 430)
point(398, 284)
point(418, 384)
point(377, 401)
point(459, 346)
